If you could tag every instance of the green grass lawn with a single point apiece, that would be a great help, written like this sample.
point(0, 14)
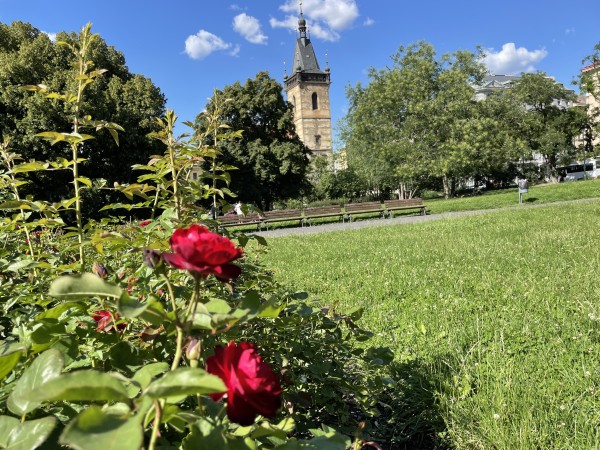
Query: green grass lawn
point(500, 312)
point(545, 193)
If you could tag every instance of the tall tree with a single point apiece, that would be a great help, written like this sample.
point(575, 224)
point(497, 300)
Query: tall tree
point(418, 120)
point(29, 57)
point(271, 160)
point(548, 126)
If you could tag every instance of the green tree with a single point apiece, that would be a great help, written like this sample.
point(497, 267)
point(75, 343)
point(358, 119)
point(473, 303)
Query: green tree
point(548, 123)
point(28, 57)
point(418, 119)
point(272, 162)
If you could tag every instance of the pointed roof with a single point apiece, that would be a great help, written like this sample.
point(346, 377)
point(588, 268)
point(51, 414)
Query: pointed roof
point(305, 59)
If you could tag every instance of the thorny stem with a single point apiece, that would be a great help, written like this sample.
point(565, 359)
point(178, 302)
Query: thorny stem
point(81, 53)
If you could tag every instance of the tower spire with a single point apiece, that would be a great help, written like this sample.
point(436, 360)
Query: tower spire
point(301, 23)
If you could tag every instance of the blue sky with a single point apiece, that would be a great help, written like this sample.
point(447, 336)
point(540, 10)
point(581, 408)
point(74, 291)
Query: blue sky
point(189, 48)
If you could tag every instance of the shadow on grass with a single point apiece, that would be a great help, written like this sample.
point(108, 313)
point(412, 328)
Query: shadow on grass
point(531, 199)
point(410, 416)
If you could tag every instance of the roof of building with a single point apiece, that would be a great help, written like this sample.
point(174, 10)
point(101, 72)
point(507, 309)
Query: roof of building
point(305, 59)
point(595, 64)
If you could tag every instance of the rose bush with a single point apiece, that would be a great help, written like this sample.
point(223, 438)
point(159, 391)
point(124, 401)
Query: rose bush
point(252, 386)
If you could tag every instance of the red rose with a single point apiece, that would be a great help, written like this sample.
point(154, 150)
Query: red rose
point(105, 321)
point(252, 387)
point(201, 251)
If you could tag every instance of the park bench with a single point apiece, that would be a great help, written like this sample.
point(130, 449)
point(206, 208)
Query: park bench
point(364, 208)
point(323, 211)
point(404, 204)
point(238, 220)
point(283, 215)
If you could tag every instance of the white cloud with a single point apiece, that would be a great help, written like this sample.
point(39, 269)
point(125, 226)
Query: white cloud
point(325, 18)
point(235, 51)
point(513, 60)
point(368, 22)
point(52, 36)
point(203, 43)
point(236, 7)
point(570, 31)
point(249, 28)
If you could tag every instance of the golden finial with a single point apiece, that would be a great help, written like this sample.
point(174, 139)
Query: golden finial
point(300, 2)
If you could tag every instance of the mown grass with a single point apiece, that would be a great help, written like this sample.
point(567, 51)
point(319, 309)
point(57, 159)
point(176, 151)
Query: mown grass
point(501, 311)
point(538, 194)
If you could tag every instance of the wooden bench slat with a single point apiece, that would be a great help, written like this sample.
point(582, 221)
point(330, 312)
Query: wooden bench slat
point(405, 204)
point(323, 211)
point(282, 215)
point(363, 208)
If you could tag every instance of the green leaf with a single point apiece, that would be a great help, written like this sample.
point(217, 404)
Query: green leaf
point(83, 385)
point(8, 363)
point(33, 166)
point(95, 430)
point(83, 286)
point(145, 375)
point(7, 424)
point(185, 381)
point(31, 434)
point(129, 307)
point(44, 368)
point(8, 348)
point(85, 180)
point(52, 136)
point(204, 436)
point(22, 264)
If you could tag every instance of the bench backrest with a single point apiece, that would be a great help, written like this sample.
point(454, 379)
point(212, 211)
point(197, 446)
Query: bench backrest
point(282, 213)
point(235, 219)
point(334, 209)
point(367, 206)
point(415, 201)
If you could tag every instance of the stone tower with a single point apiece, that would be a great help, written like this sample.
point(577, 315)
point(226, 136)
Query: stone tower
point(307, 89)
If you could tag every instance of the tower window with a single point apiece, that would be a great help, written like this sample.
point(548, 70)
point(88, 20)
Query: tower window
point(317, 140)
point(315, 101)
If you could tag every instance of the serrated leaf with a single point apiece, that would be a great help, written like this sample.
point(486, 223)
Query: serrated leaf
point(83, 286)
point(185, 381)
point(83, 385)
point(44, 368)
point(95, 430)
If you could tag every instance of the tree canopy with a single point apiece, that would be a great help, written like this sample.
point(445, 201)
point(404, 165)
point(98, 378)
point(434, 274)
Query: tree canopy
point(29, 57)
point(271, 160)
point(419, 121)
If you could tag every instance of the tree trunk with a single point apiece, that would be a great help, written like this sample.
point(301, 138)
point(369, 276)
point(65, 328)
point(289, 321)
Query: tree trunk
point(447, 188)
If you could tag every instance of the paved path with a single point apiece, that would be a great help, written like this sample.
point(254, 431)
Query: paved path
point(330, 227)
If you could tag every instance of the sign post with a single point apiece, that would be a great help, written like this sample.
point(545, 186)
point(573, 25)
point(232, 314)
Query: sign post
point(523, 189)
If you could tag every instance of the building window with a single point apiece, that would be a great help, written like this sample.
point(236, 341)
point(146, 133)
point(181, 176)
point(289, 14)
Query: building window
point(315, 101)
point(294, 102)
point(317, 140)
